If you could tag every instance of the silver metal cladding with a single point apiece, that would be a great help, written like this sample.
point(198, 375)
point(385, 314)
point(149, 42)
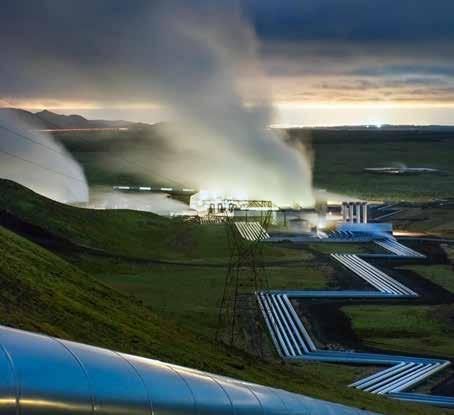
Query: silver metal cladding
point(48, 376)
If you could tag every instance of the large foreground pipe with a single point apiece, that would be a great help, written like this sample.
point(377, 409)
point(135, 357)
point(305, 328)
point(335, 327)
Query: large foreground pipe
point(47, 376)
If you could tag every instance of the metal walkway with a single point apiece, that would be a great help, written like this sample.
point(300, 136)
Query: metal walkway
point(293, 341)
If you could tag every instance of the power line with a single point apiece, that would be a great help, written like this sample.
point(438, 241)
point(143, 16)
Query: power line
point(31, 140)
point(63, 154)
point(33, 162)
point(122, 159)
point(41, 166)
point(28, 138)
point(135, 164)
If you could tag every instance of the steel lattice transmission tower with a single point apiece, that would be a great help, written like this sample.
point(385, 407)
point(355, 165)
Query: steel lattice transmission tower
point(240, 322)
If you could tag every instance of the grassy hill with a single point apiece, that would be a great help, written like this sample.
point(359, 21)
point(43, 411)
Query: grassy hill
point(43, 291)
point(119, 232)
point(51, 120)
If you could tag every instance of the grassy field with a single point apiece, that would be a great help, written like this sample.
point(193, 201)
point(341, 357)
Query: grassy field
point(192, 295)
point(341, 156)
point(442, 275)
point(435, 221)
point(405, 328)
point(155, 310)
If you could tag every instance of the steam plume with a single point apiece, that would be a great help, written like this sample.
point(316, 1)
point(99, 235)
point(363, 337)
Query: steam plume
point(210, 78)
point(105, 198)
point(36, 161)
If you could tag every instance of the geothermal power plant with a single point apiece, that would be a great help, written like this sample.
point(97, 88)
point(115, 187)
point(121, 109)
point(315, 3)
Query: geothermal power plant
point(354, 212)
point(43, 375)
point(240, 208)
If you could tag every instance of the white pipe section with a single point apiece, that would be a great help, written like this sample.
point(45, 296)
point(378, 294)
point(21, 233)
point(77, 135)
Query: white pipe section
point(375, 282)
point(436, 367)
point(298, 321)
point(286, 342)
point(365, 276)
point(293, 328)
point(400, 288)
point(399, 249)
point(288, 332)
point(269, 316)
point(405, 380)
point(365, 218)
point(377, 387)
point(276, 325)
point(376, 377)
point(358, 212)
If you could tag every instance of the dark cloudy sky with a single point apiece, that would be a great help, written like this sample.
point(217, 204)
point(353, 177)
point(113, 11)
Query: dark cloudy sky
point(326, 61)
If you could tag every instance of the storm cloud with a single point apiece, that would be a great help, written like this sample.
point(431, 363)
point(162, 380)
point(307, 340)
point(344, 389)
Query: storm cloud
point(78, 54)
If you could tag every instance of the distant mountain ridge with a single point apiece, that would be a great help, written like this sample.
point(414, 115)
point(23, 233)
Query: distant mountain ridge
point(55, 120)
point(50, 120)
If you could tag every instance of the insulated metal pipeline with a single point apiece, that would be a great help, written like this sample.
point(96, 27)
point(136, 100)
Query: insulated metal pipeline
point(344, 211)
point(48, 376)
point(358, 212)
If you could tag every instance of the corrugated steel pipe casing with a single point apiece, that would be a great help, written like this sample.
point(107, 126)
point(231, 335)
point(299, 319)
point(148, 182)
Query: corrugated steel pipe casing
point(48, 376)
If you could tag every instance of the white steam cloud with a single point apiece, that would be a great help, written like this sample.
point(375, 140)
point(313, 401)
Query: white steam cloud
point(209, 77)
point(36, 161)
point(106, 198)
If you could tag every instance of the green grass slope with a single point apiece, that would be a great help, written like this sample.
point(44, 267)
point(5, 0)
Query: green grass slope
point(140, 234)
point(414, 329)
point(192, 295)
point(442, 275)
point(121, 232)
